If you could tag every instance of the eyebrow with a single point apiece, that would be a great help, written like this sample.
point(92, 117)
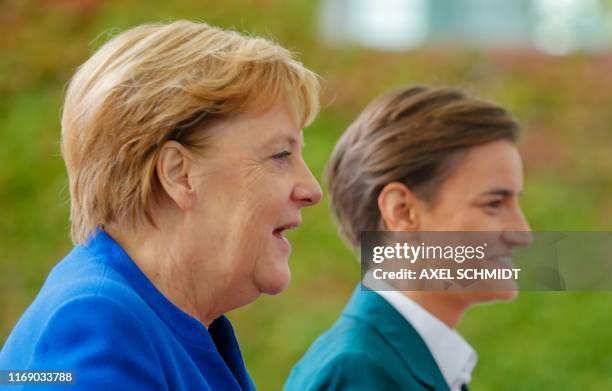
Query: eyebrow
point(500, 192)
point(292, 140)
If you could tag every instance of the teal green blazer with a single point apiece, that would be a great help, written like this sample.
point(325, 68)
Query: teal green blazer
point(371, 347)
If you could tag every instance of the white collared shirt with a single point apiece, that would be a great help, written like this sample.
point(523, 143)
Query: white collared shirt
point(454, 356)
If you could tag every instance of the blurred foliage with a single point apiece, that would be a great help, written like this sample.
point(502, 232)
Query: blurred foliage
point(542, 341)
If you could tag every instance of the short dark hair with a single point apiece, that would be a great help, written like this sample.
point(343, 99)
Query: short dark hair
point(413, 136)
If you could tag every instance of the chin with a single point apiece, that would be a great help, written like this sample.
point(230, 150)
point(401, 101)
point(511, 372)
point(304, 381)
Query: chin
point(487, 291)
point(506, 295)
point(507, 292)
point(274, 282)
point(488, 296)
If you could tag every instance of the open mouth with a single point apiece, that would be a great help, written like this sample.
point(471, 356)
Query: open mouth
point(504, 260)
point(279, 232)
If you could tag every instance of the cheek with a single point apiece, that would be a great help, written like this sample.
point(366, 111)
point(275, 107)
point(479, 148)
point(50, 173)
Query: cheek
point(266, 207)
point(274, 197)
point(264, 188)
point(475, 219)
point(446, 218)
point(460, 218)
point(480, 220)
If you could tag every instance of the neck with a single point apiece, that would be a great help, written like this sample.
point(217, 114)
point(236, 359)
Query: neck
point(446, 306)
point(158, 255)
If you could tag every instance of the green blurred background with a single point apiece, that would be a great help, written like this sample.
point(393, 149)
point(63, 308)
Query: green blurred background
point(541, 341)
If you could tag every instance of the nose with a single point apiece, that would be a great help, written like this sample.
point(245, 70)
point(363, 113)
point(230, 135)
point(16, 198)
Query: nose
point(517, 238)
point(520, 222)
point(307, 192)
point(518, 233)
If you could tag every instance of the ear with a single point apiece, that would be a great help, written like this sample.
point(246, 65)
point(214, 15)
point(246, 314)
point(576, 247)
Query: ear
point(173, 173)
point(398, 207)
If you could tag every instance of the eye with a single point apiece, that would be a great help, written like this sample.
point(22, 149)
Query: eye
point(281, 155)
point(493, 204)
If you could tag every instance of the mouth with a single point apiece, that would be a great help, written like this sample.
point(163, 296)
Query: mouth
point(505, 260)
point(279, 233)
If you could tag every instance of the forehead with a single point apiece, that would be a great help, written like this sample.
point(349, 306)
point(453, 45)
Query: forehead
point(493, 165)
point(277, 124)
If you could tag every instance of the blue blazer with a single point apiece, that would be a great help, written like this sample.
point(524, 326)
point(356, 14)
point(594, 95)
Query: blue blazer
point(371, 347)
point(99, 316)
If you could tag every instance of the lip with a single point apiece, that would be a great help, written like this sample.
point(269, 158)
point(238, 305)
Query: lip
point(279, 231)
point(503, 260)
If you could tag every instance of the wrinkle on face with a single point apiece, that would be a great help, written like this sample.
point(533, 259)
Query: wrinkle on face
point(221, 250)
point(242, 195)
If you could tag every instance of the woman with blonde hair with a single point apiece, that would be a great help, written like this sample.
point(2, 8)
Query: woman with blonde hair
point(182, 144)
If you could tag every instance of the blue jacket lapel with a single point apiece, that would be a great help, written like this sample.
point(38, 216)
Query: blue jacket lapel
point(222, 334)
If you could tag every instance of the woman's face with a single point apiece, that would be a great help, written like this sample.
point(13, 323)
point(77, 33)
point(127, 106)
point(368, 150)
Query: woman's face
point(251, 183)
point(482, 194)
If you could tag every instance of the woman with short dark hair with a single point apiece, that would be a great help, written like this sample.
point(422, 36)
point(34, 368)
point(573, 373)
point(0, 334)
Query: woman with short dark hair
point(417, 160)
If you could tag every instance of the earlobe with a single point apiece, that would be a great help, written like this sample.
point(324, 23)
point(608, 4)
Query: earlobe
point(398, 207)
point(173, 173)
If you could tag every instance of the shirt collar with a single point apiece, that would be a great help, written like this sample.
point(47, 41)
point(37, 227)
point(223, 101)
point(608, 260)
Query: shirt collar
point(453, 354)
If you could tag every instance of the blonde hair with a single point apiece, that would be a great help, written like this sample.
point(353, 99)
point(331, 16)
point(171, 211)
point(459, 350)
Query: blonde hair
point(154, 83)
